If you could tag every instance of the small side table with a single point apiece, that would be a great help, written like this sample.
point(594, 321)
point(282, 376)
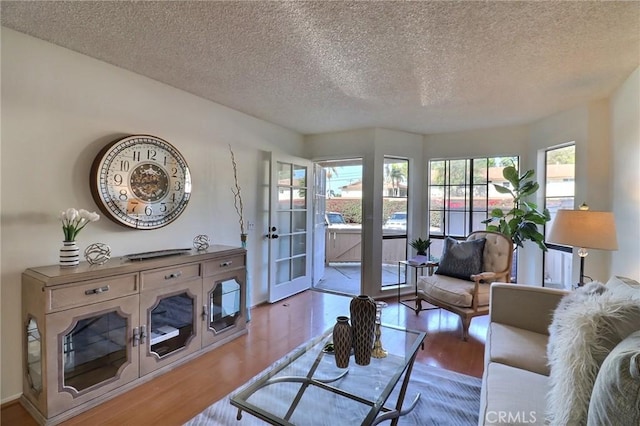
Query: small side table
point(417, 301)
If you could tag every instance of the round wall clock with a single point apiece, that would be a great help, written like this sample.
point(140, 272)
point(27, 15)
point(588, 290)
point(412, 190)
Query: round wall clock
point(141, 182)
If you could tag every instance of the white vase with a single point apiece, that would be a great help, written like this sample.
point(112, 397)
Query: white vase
point(69, 254)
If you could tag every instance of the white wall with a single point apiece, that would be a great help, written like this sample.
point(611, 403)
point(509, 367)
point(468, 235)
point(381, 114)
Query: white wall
point(625, 138)
point(503, 141)
point(588, 126)
point(58, 109)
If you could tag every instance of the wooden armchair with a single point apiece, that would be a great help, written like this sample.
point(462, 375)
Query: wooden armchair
point(468, 295)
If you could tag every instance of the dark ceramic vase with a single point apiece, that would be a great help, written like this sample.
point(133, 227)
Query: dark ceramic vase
point(363, 321)
point(342, 341)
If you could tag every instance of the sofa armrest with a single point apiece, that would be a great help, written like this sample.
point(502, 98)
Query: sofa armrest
point(524, 306)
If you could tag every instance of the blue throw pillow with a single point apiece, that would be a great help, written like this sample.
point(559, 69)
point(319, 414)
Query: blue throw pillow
point(461, 259)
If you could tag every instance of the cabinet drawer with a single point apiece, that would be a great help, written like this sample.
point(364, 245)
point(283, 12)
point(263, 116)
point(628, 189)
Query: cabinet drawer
point(72, 295)
point(213, 267)
point(167, 276)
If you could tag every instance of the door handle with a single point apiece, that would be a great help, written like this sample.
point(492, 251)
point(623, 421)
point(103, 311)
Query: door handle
point(136, 336)
point(271, 233)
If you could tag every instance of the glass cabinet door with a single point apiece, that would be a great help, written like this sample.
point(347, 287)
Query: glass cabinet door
point(224, 305)
point(96, 351)
point(33, 355)
point(171, 322)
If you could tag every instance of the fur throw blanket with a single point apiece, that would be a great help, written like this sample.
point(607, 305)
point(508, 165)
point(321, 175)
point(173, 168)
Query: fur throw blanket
point(587, 324)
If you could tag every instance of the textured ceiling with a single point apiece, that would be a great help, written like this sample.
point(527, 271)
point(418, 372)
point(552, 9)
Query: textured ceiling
point(425, 67)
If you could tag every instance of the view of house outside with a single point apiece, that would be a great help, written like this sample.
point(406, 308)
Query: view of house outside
point(462, 195)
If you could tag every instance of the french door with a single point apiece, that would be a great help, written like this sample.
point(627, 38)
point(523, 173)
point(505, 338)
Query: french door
point(290, 226)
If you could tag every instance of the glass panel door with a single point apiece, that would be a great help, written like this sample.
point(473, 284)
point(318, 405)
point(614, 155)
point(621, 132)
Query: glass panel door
point(290, 222)
point(342, 216)
point(395, 212)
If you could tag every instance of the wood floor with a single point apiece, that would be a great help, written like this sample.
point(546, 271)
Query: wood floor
point(274, 330)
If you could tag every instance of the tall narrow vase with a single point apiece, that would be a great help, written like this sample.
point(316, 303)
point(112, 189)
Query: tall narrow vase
point(363, 320)
point(69, 254)
point(342, 341)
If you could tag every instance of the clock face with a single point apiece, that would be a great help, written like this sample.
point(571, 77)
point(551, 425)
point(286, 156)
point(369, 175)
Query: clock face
point(141, 182)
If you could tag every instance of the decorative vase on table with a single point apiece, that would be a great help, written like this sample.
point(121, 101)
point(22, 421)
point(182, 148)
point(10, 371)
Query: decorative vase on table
point(342, 341)
point(363, 320)
point(69, 254)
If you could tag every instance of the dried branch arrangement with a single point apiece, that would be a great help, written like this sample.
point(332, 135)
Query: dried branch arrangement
point(237, 197)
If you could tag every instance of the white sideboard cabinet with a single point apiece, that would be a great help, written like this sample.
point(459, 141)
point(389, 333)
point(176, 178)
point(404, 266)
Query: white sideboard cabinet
point(95, 331)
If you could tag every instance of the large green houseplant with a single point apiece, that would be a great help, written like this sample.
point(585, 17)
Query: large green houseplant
point(521, 222)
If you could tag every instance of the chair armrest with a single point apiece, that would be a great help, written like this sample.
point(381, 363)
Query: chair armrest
point(524, 306)
point(432, 266)
point(483, 276)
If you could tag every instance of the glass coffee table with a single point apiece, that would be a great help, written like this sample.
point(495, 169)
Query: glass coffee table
point(306, 388)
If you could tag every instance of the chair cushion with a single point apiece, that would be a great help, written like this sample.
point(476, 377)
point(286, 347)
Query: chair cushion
point(587, 324)
point(616, 394)
point(453, 291)
point(461, 259)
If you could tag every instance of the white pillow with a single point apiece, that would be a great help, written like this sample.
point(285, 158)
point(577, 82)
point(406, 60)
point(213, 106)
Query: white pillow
point(624, 287)
point(587, 324)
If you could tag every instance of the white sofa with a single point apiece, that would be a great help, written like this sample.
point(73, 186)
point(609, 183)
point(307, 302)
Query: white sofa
point(517, 376)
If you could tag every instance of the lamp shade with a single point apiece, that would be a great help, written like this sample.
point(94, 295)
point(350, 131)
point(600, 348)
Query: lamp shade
point(585, 229)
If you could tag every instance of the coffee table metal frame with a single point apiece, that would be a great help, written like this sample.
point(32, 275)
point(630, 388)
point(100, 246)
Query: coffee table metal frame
point(374, 416)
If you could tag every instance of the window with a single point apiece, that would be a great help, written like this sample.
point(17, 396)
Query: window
point(395, 190)
point(461, 196)
point(559, 194)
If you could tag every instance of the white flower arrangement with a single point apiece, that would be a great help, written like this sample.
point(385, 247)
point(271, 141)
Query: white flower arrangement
point(74, 220)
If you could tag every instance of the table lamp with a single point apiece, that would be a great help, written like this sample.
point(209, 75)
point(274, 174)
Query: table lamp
point(585, 229)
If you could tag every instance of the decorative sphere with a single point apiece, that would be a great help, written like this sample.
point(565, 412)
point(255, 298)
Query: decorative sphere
point(201, 242)
point(97, 253)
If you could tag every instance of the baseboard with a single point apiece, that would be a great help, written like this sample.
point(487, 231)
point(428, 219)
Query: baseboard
point(10, 400)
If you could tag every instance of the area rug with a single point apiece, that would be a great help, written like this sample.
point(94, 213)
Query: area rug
point(447, 398)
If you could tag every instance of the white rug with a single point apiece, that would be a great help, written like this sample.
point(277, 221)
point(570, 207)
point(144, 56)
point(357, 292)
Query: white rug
point(447, 398)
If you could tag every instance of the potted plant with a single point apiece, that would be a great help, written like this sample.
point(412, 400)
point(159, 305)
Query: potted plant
point(421, 246)
point(521, 222)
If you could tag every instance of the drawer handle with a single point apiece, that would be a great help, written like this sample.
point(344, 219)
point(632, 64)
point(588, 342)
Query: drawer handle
point(173, 275)
point(97, 290)
point(227, 263)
